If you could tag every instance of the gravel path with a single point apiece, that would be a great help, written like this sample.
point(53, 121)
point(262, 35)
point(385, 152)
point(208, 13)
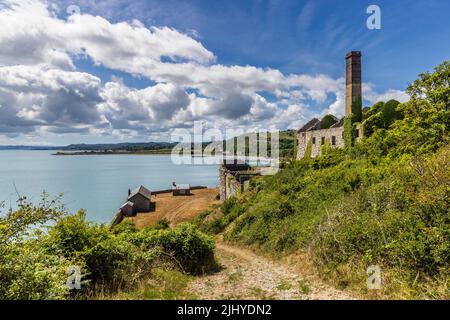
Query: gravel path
point(245, 275)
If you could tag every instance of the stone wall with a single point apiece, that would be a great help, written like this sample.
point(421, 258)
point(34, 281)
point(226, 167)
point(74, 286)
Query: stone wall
point(303, 138)
point(232, 182)
point(335, 135)
point(222, 182)
point(317, 138)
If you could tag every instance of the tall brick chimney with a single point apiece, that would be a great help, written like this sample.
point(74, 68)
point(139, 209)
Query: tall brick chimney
point(353, 82)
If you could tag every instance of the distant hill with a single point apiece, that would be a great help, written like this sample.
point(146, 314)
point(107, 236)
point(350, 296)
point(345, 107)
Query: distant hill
point(287, 141)
point(31, 147)
point(138, 146)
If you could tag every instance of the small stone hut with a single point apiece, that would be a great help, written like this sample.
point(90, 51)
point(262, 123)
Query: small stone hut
point(127, 209)
point(181, 189)
point(141, 200)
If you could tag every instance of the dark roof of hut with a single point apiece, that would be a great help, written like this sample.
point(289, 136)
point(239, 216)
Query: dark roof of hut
point(316, 124)
point(143, 191)
point(127, 204)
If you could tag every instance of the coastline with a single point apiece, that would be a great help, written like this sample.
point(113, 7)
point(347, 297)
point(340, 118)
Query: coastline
point(122, 152)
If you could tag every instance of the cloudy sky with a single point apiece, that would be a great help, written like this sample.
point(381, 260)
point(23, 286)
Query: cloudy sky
point(111, 71)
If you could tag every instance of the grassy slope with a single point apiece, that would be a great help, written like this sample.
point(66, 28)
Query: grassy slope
point(383, 202)
point(353, 215)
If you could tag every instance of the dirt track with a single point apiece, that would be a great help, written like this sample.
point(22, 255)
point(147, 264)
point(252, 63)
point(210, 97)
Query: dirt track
point(246, 275)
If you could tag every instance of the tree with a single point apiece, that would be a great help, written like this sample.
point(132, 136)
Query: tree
point(419, 126)
point(433, 87)
point(27, 269)
point(381, 116)
point(328, 121)
point(426, 121)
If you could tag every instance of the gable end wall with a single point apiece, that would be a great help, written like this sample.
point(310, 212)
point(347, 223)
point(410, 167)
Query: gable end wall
point(304, 138)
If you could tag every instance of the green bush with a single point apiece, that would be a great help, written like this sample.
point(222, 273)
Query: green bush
point(192, 250)
point(162, 224)
point(126, 226)
point(110, 260)
point(327, 121)
point(72, 235)
point(399, 223)
point(27, 270)
point(421, 125)
point(381, 116)
point(40, 243)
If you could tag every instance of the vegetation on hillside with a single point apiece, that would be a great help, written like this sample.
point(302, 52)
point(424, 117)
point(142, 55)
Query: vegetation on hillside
point(383, 201)
point(286, 144)
point(131, 147)
point(40, 243)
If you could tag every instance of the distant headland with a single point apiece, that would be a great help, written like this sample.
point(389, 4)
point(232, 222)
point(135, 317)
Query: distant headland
point(101, 149)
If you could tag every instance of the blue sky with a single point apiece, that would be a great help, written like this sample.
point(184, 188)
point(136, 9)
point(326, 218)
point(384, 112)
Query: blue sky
point(101, 76)
point(312, 36)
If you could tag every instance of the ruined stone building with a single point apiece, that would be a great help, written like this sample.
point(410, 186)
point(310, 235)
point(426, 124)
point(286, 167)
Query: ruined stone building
point(316, 133)
point(233, 178)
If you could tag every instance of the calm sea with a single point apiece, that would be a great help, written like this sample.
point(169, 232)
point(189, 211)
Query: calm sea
point(97, 183)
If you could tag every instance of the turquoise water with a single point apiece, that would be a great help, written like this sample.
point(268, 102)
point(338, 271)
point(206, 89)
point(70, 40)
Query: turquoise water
point(97, 183)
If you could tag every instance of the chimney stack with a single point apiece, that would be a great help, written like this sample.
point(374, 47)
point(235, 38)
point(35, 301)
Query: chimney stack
point(353, 84)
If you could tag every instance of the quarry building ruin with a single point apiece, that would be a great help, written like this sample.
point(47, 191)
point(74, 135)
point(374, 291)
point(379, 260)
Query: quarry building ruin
point(330, 130)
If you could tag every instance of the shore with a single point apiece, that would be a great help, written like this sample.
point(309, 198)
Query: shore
point(120, 152)
point(109, 152)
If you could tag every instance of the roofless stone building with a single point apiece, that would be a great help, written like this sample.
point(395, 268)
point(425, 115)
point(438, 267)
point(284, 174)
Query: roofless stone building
point(316, 133)
point(235, 177)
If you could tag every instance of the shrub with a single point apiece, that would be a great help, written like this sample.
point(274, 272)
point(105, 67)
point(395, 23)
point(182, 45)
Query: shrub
point(27, 270)
point(192, 250)
point(110, 261)
point(381, 116)
point(126, 226)
point(34, 261)
point(73, 235)
point(162, 224)
point(327, 121)
point(401, 224)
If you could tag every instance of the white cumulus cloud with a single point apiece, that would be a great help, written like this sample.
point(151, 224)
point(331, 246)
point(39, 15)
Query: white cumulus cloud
point(42, 91)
